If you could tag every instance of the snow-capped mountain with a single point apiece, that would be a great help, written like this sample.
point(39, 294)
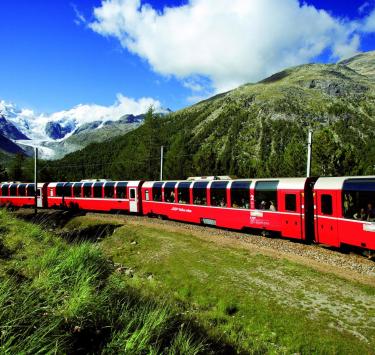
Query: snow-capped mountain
point(46, 130)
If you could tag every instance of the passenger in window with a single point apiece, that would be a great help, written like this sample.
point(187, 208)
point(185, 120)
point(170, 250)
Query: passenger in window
point(272, 207)
point(222, 203)
point(171, 197)
point(370, 212)
point(263, 205)
point(348, 205)
point(361, 215)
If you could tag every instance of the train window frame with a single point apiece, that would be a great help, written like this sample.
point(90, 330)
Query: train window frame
point(240, 190)
point(157, 193)
point(87, 191)
point(31, 190)
point(326, 204)
point(97, 190)
point(109, 190)
point(266, 191)
point(5, 188)
point(169, 192)
point(218, 191)
point(121, 190)
point(291, 202)
point(77, 187)
point(183, 193)
point(59, 189)
point(358, 194)
point(13, 190)
point(67, 190)
point(22, 190)
point(200, 193)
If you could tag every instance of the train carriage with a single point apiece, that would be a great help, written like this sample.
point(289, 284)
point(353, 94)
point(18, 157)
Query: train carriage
point(274, 205)
point(22, 194)
point(344, 211)
point(96, 195)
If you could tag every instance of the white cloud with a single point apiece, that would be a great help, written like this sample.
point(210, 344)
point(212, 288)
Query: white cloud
point(369, 22)
point(228, 41)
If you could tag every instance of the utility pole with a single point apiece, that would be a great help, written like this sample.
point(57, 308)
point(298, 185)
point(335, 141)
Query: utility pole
point(161, 162)
point(309, 149)
point(36, 179)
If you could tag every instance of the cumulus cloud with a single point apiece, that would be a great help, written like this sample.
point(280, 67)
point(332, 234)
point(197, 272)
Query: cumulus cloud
point(369, 23)
point(228, 41)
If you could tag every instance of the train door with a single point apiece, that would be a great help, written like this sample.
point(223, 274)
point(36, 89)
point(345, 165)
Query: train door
point(133, 199)
point(326, 217)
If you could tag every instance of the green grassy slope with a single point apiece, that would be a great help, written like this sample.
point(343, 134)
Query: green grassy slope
point(59, 297)
point(256, 130)
point(254, 302)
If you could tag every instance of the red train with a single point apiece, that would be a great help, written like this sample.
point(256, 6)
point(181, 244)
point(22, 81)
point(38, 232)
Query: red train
point(333, 211)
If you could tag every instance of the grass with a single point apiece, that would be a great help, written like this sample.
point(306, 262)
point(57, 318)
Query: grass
point(253, 302)
point(142, 289)
point(59, 297)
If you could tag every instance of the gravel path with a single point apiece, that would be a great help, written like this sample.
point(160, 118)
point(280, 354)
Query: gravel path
point(353, 266)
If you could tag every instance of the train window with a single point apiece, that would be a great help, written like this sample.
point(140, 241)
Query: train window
point(98, 190)
point(4, 190)
point(291, 202)
point(59, 189)
point(132, 193)
point(109, 190)
point(77, 190)
point(121, 190)
point(200, 193)
point(266, 195)
point(87, 190)
point(240, 194)
point(218, 193)
point(156, 191)
point(31, 190)
point(68, 189)
point(22, 190)
point(326, 204)
point(13, 190)
point(169, 195)
point(358, 200)
point(147, 195)
point(183, 192)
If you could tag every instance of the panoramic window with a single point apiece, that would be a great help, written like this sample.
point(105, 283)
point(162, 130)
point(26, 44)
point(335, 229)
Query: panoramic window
point(30, 190)
point(77, 190)
point(290, 202)
point(121, 189)
point(169, 195)
point(87, 190)
point(218, 191)
point(4, 190)
point(59, 189)
point(200, 193)
point(68, 189)
point(240, 194)
point(13, 190)
point(326, 204)
point(183, 192)
point(156, 191)
point(266, 195)
point(98, 190)
point(22, 190)
point(109, 190)
point(358, 199)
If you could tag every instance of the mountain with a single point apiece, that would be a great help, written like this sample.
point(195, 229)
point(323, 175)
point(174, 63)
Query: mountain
point(9, 130)
point(257, 129)
point(7, 146)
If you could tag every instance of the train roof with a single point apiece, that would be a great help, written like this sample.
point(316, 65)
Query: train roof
point(336, 183)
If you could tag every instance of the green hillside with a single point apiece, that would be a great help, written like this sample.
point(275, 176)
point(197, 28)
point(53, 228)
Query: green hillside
point(255, 130)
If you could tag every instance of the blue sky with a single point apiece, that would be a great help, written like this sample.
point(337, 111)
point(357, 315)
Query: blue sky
point(51, 61)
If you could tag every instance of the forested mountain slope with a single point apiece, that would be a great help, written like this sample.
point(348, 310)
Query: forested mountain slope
point(255, 130)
